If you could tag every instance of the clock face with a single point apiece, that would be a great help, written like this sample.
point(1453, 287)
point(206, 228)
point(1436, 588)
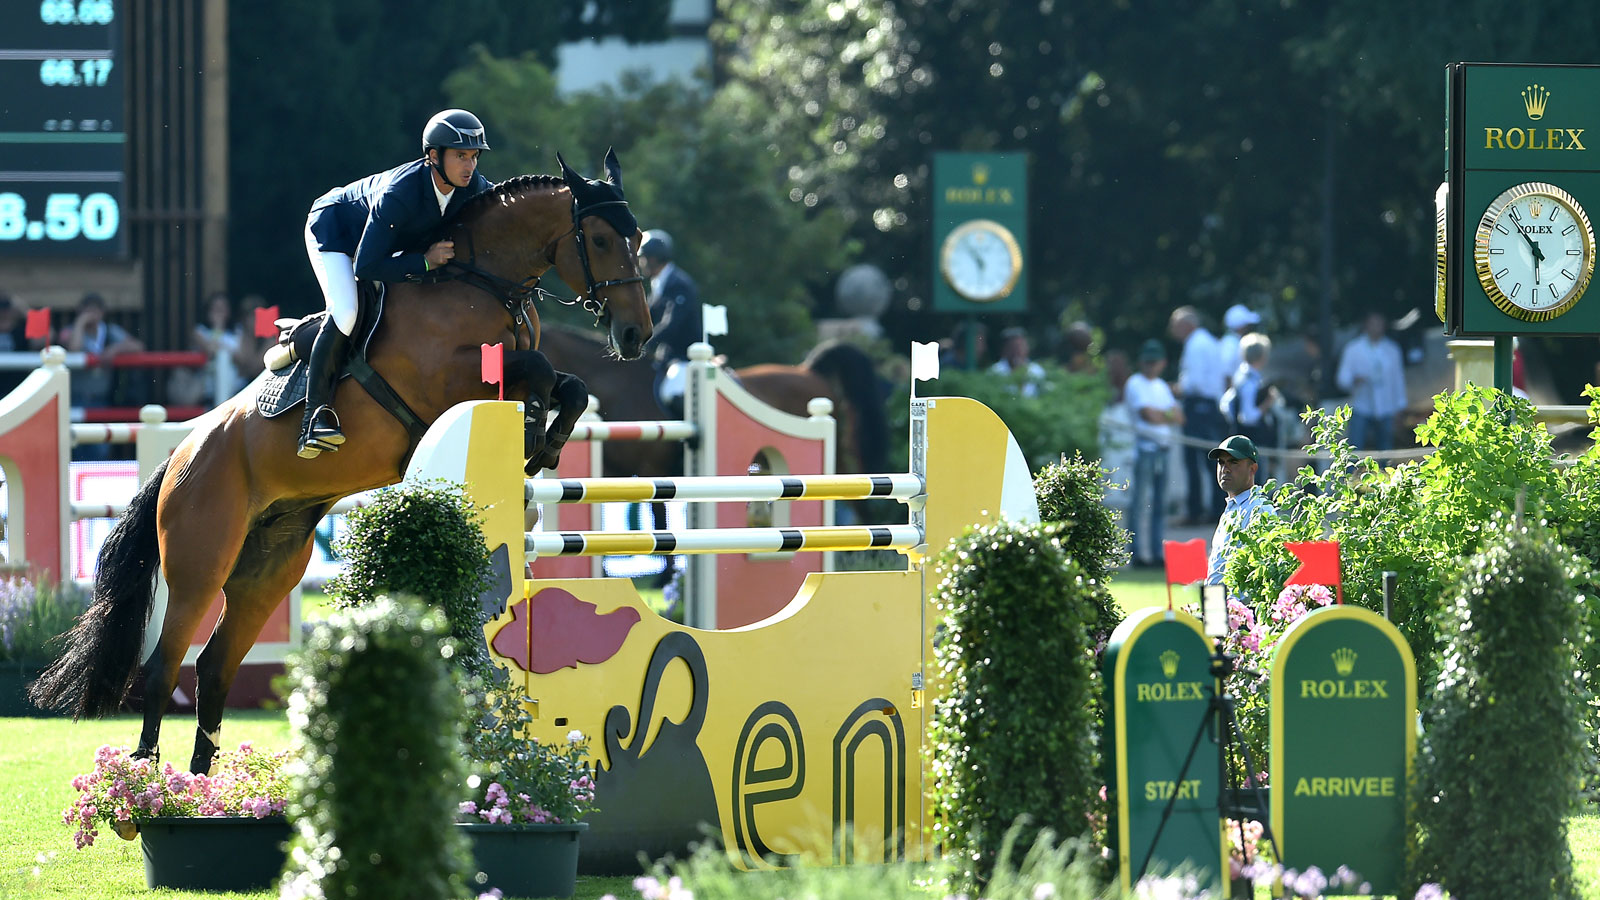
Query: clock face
point(981, 260)
point(1534, 251)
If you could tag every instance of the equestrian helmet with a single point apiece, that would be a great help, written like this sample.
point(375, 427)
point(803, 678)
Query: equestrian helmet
point(454, 128)
point(657, 245)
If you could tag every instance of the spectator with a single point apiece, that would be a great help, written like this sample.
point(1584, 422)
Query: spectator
point(1078, 349)
point(1239, 321)
point(14, 339)
point(219, 337)
point(247, 360)
point(1236, 475)
point(1371, 371)
point(1201, 381)
point(1116, 431)
point(970, 336)
point(90, 333)
point(1014, 361)
point(675, 310)
point(1155, 412)
point(1250, 406)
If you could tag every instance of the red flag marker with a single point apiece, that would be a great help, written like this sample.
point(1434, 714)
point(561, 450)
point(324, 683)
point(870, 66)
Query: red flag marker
point(1186, 563)
point(1319, 564)
point(38, 324)
point(494, 366)
point(266, 318)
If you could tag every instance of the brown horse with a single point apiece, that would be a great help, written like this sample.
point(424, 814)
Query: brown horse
point(836, 370)
point(234, 508)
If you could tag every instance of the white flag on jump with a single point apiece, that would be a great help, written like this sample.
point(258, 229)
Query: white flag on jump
point(924, 361)
point(714, 319)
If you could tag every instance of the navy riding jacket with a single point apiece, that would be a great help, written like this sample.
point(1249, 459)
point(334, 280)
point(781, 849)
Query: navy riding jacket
point(395, 210)
point(676, 312)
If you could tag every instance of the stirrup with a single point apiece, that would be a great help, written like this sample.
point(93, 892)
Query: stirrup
point(318, 436)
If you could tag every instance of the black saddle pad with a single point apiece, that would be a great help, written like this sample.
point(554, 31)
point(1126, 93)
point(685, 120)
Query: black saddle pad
point(285, 389)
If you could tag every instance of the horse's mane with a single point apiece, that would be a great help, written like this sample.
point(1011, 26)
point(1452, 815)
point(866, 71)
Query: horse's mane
point(510, 189)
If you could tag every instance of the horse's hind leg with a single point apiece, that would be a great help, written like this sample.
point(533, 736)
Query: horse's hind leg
point(271, 563)
point(196, 551)
point(571, 397)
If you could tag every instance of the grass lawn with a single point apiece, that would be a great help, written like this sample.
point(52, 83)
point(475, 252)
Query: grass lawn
point(1136, 589)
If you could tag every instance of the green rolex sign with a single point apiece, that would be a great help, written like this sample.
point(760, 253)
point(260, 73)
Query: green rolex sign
point(1157, 670)
point(1517, 242)
point(1344, 731)
point(980, 232)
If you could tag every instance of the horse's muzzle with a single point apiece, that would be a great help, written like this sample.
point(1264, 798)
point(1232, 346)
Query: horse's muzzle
point(628, 340)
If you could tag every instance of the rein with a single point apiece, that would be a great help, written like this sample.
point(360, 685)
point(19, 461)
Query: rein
point(516, 296)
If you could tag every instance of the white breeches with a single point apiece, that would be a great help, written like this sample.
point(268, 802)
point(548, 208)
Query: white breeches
point(336, 273)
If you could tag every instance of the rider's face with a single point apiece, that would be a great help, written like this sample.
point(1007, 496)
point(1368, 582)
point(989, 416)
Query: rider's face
point(459, 165)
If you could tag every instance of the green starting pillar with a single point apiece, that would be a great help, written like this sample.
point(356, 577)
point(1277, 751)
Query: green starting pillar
point(1344, 731)
point(1157, 670)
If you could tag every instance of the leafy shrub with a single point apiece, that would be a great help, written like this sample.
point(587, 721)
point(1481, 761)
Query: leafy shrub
point(32, 615)
point(376, 720)
point(1048, 871)
point(1062, 419)
point(1013, 734)
point(515, 778)
point(1499, 763)
point(1578, 521)
point(424, 539)
point(1071, 494)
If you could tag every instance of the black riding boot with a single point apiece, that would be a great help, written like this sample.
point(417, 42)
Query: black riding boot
point(319, 430)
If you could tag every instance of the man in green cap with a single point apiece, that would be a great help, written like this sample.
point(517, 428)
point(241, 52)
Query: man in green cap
point(1236, 459)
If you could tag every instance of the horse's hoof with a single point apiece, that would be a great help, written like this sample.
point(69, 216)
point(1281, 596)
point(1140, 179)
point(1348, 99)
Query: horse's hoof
point(125, 830)
point(151, 753)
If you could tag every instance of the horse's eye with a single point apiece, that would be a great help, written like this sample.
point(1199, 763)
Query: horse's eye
point(601, 242)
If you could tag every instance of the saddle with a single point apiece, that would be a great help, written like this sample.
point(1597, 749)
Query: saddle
point(283, 385)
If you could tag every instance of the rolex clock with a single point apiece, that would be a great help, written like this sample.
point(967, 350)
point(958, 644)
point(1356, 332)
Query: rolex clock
point(1534, 251)
point(981, 260)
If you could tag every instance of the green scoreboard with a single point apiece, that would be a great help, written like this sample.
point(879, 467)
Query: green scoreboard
point(1515, 242)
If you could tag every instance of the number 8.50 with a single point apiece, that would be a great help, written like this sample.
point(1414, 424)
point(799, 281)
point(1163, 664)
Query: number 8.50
point(66, 216)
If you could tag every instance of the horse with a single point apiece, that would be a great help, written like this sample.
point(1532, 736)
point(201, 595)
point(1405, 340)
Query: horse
point(234, 508)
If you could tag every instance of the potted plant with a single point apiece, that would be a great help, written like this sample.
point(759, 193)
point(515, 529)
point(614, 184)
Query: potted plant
point(224, 831)
point(32, 615)
point(524, 801)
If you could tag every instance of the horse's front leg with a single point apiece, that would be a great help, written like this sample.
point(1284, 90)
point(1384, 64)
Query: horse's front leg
point(571, 398)
point(531, 371)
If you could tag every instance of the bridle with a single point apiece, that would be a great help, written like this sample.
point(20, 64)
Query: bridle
point(516, 296)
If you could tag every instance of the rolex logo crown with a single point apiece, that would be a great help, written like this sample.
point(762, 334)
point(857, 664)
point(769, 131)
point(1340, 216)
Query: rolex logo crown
point(1344, 661)
point(1169, 663)
point(1534, 97)
point(980, 173)
point(1535, 208)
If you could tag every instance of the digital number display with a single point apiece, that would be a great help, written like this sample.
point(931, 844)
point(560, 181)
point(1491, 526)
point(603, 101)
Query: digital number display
point(62, 141)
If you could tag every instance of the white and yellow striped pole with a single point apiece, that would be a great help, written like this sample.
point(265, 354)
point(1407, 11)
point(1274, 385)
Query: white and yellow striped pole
point(902, 486)
point(722, 540)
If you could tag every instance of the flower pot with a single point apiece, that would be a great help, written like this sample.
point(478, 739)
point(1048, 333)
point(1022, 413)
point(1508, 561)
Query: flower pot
point(214, 853)
point(14, 702)
point(526, 860)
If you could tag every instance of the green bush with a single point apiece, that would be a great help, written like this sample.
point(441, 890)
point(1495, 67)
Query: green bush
point(1013, 733)
point(424, 539)
point(33, 615)
point(1578, 521)
point(1503, 743)
point(1063, 419)
point(373, 794)
point(1071, 494)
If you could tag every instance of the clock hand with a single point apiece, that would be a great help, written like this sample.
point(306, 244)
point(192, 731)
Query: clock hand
point(977, 258)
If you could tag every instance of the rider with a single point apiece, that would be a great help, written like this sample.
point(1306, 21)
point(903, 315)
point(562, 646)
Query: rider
point(675, 309)
point(354, 232)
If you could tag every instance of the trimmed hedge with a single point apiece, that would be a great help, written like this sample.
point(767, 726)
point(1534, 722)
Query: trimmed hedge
point(424, 539)
point(1504, 741)
point(1014, 735)
point(1071, 493)
point(376, 719)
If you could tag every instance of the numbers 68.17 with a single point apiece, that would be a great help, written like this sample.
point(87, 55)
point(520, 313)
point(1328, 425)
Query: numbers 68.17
point(66, 217)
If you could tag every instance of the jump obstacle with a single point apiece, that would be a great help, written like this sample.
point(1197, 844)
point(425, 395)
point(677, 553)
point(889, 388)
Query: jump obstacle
point(693, 725)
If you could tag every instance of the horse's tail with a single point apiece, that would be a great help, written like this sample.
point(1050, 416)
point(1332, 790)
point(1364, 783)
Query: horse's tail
point(852, 370)
point(97, 666)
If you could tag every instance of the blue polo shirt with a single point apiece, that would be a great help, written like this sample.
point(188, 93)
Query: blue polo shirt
point(1237, 514)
